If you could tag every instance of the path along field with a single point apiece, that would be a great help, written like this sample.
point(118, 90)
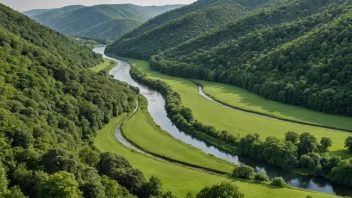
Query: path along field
point(142, 131)
point(181, 180)
point(236, 121)
point(243, 99)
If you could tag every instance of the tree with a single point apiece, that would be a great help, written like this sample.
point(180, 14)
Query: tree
point(89, 156)
point(58, 159)
point(261, 177)
point(61, 184)
point(223, 190)
point(307, 162)
point(279, 181)
point(109, 162)
point(292, 137)
point(325, 143)
point(307, 143)
point(348, 143)
point(153, 188)
point(3, 180)
point(244, 172)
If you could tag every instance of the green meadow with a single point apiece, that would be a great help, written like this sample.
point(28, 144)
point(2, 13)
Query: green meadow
point(181, 180)
point(106, 66)
point(243, 99)
point(239, 122)
point(142, 131)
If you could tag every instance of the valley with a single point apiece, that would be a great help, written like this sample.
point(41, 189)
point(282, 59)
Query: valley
point(208, 99)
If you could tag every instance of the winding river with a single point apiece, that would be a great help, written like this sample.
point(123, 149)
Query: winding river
point(156, 104)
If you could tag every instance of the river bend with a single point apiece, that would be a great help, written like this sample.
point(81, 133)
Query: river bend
point(156, 103)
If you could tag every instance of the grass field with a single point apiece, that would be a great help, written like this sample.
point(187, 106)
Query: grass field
point(181, 180)
point(239, 122)
point(142, 131)
point(106, 65)
point(243, 99)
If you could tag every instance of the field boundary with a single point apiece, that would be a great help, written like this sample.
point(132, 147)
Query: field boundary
point(267, 115)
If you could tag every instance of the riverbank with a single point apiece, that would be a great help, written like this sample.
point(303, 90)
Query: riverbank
point(156, 107)
point(144, 133)
point(181, 180)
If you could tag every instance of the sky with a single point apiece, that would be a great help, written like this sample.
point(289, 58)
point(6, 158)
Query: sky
point(24, 5)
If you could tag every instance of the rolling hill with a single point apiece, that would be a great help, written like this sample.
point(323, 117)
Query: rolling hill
point(51, 106)
point(101, 21)
point(36, 12)
point(296, 53)
point(177, 26)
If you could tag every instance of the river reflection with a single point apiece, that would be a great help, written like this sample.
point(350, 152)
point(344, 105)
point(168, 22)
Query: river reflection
point(156, 108)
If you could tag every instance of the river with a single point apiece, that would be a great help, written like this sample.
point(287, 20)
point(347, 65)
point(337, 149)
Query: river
point(156, 103)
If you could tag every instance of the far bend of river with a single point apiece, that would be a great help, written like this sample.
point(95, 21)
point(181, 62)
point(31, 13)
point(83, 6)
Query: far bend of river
point(156, 103)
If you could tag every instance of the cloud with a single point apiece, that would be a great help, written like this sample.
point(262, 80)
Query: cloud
point(22, 5)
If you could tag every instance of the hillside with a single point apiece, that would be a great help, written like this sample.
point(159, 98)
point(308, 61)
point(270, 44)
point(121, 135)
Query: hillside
point(101, 21)
point(297, 53)
point(177, 26)
point(51, 107)
point(36, 12)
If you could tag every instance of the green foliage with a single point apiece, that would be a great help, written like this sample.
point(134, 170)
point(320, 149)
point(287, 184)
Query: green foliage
point(51, 106)
point(284, 53)
point(60, 184)
point(223, 190)
point(325, 143)
point(292, 137)
point(261, 177)
point(279, 181)
point(307, 143)
point(348, 143)
point(244, 172)
point(175, 27)
point(100, 21)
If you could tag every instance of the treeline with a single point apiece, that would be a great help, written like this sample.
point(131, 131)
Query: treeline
point(296, 151)
point(305, 62)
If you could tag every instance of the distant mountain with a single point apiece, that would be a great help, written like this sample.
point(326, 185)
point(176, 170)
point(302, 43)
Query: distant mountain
point(36, 12)
point(296, 53)
point(175, 27)
point(100, 21)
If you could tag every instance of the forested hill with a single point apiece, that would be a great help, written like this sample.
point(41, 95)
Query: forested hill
point(100, 21)
point(297, 53)
point(177, 26)
point(36, 12)
point(51, 107)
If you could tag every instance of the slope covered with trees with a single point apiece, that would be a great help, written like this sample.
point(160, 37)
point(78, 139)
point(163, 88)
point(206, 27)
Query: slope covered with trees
point(297, 53)
point(51, 107)
point(177, 26)
point(36, 12)
point(103, 21)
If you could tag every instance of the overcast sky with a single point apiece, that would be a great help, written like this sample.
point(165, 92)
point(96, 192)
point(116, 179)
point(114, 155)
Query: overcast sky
point(24, 5)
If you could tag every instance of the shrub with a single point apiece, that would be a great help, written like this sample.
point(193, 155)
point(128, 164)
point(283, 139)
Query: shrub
point(244, 172)
point(279, 181)
point(261, 177)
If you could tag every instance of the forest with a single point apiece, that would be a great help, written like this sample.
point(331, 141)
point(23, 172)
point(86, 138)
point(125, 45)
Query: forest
point(302, 60)
point(177, 26)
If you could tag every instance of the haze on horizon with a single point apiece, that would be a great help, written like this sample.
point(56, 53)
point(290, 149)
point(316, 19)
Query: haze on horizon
point(24, 5)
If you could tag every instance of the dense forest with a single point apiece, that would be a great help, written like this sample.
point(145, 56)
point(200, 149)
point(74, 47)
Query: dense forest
point(297, 53)
point(100, 21)
point(51, 107)
point(177, 26)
